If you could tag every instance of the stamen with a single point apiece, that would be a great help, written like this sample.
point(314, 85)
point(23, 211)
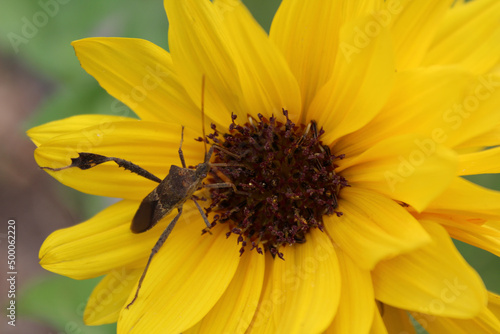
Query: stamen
point(283, 182)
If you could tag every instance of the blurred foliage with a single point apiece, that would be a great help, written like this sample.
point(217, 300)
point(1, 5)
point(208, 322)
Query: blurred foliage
point(486, 264)
point(44, 44)
point(38, 34)
point(66, 311)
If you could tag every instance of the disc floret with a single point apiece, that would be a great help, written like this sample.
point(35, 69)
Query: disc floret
point(284, 178)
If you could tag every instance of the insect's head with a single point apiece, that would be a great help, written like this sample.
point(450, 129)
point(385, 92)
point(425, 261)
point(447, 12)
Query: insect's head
point(202, 170)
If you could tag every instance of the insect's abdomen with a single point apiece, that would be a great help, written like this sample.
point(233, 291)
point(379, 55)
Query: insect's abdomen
point(171, 193)
point(143, 219)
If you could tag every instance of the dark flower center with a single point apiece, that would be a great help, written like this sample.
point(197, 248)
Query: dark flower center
point(283, 179)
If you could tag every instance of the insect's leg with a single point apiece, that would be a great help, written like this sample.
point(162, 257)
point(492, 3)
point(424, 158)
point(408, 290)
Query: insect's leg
point(89, 160)
point(226, 185)
point(222, 149)
point(155, 250)
point(208, 155)
point(203, 215)
point(203, 115)
point(223, 164)
point(181, 155)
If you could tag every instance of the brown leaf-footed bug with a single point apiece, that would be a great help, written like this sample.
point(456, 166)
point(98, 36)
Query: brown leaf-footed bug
point(172, 192)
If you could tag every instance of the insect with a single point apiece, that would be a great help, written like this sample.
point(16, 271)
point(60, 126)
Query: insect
point(172, 192)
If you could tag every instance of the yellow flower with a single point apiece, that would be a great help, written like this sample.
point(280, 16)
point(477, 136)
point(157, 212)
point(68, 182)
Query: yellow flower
point(408, 96)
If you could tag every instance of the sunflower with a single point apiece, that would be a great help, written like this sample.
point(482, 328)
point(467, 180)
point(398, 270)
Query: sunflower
point(339, 144)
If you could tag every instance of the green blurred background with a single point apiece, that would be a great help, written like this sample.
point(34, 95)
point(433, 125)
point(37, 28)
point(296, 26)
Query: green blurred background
point(41, 80)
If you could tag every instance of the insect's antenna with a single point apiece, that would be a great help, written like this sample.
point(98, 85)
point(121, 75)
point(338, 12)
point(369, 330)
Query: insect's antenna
point(203, 111)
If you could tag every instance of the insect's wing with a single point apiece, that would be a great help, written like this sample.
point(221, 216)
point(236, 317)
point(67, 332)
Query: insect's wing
point(159, 203)
point(143, 219)
point(150, 212)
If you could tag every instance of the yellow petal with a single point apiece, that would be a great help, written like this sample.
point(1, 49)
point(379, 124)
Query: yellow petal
point(494, 304)
point(469, 36)
point(43, 133)
point(185, 280)
point(109, 296)
point(141, 75)
point(302, 293)
point(267, 83)
point(360, 84)
point(89, 249)
point(488, 138)
point(234, 311)
point(466, 109)
point(477, 112)
point(262, 316)
point(479, 234)
point(200, 45)
point(488, 237)
point(396, 320)
point(411, 108)
point(151, 145)
point(483, 162)
point(105, 242)
point(485, 323)
point(373, 227)
point(415, 25)
point(434, 279)
point(468, 199)
point(307, 34)
point(378, 326)
point(355, 313)
point(408, 168)
point(351, 10)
